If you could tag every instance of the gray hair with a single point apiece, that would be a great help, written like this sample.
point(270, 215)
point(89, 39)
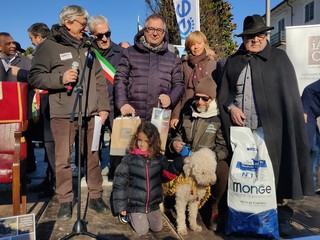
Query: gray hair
point(156, 16)
point(70, 13)
point(39, 29)
point(95, 20)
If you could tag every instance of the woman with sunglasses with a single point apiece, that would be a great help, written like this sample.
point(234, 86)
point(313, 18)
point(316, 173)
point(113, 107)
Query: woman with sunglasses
point(200, 127)
point(199, 64)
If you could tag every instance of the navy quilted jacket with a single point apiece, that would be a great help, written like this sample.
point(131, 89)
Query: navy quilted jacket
point(142, 75)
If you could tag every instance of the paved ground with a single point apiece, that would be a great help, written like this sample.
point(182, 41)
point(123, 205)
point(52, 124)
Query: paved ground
point(306, 215)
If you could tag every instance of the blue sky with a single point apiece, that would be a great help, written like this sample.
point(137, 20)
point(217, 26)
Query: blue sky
point(17, 16)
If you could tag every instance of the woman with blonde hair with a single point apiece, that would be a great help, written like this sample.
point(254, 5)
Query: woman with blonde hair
point(198, 69)
point(198, 65)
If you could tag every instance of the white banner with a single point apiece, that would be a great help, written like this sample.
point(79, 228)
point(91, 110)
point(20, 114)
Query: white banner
point(303, 49)
point(188, 17)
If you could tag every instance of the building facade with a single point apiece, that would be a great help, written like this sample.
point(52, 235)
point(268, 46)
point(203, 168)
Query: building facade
point(292, 13)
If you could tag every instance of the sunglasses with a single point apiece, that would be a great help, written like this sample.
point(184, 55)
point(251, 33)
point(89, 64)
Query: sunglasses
point(205, 99)
point(106, 34)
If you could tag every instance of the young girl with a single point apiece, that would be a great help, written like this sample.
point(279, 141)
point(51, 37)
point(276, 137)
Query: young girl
point(137, 189)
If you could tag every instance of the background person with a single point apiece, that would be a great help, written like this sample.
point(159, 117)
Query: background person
point(38, 32)
point(311, 107)
point(259, 89)
point(14, 67)
point(19, 49)
point(124, 44)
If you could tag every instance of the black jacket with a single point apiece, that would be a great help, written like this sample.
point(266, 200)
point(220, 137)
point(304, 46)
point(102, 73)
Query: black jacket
point(137, 182)
point(311, 106)
point(278, 102)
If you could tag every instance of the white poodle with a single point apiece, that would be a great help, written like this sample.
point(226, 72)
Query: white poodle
point(192, 187)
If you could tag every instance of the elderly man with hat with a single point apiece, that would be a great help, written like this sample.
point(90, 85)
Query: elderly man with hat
point(259, 90)
point(200, 127)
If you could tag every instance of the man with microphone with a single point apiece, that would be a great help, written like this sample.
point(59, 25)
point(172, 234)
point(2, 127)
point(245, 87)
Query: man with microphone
point(54, 68)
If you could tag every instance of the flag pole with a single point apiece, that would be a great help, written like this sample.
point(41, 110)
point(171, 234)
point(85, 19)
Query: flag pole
point(268, 15)
point(198, 13)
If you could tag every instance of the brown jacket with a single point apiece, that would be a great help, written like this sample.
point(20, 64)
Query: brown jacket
point(187, 70)
point(54, 56)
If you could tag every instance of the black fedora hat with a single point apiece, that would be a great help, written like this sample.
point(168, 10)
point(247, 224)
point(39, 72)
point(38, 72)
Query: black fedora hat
point(254, 24)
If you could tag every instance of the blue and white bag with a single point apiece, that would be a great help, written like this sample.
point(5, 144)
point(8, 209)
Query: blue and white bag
point(251, 188)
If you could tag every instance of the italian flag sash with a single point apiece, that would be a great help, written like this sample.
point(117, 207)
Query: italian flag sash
point(108, 70)
point(35, 106)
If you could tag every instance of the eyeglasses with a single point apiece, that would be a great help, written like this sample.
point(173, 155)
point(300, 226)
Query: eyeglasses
point(106, 34)
point(152, 30)
point(83, 24)
point(260, 36)
point(205, 99)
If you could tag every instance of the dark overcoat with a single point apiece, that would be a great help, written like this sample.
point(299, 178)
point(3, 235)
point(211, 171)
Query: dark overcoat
point(278, 103)
point(311, 106)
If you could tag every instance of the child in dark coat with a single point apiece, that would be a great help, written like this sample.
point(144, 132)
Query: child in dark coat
point(137, 189)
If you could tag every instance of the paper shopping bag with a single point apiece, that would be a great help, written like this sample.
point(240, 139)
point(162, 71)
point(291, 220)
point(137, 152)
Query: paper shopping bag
point(122, 130)
point(161, 119)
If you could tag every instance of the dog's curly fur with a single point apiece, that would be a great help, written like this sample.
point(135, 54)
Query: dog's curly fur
point(200, 167)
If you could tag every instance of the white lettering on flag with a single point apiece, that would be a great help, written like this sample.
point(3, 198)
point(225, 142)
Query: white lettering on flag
point(188, 17)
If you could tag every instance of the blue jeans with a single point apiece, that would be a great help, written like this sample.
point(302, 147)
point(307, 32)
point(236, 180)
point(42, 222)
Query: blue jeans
point(315, 157)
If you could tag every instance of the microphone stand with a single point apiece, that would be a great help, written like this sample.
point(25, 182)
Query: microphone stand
point(80, 226)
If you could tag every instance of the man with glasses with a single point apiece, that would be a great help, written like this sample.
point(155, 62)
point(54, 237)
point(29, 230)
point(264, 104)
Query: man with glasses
point(148, 73)
point(54, 69)
point(111, 52)
point(259, 90)
point(199, 127)
point(99, 29)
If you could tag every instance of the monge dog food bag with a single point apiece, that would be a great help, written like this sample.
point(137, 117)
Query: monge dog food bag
point(251, 188)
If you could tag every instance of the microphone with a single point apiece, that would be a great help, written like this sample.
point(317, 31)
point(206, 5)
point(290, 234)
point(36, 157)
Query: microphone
point(75, 66)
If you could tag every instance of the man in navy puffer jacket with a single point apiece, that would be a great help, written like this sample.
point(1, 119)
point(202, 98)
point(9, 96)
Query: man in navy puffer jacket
point(148, 72)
